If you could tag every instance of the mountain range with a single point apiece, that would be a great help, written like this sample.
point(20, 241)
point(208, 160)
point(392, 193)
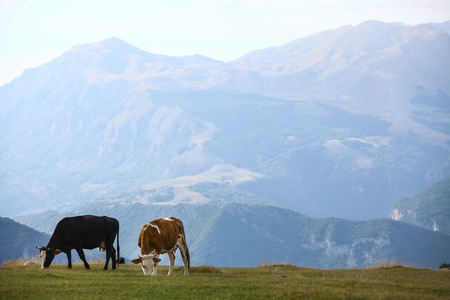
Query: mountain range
point(342, 123)
point(230, 234)
point(295, 153)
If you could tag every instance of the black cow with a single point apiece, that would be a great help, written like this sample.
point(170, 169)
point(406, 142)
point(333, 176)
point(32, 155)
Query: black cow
point(82, 232)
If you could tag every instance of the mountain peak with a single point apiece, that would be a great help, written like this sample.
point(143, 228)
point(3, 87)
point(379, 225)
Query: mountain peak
point(109, 45)
point(324, 119)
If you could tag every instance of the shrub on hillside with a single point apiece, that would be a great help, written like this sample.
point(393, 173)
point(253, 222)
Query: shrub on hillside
point(444, 266)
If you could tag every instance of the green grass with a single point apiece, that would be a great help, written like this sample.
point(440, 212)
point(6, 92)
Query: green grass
point(269, 281)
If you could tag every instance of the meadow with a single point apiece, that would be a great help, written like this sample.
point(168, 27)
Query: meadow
point(18, 281)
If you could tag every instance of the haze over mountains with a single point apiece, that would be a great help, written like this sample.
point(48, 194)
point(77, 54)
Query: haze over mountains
point(341, 123)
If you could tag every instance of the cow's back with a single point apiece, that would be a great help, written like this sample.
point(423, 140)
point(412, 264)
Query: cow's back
point(85, 231)
point(160, 234)
point(179, 224)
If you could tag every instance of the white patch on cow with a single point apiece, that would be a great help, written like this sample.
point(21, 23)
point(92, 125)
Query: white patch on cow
point(168, 219)
point(148, 265)
point(43, 256)
point(164, 251)
point(155, 266)
point(102, 246)
point(171, 263)
point(154, 226)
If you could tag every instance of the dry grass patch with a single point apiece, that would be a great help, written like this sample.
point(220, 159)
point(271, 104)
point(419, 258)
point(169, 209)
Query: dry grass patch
point(205, 270)
point(392, 264)
point(275, 281)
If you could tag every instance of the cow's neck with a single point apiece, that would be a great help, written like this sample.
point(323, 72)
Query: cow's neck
point(53, 243)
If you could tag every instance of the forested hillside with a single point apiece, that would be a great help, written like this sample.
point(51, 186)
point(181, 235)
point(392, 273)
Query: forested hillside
point(429, 209)
point(19, 241)
point(235, 235)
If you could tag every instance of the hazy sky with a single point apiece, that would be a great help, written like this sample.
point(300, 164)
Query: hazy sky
point(33, 32)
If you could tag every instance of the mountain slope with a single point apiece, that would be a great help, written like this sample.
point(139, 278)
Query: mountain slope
point(429, 209)
point(339, 62)
point(392, 71)
point(19, 241)
point(236, 235)
point(329, 128)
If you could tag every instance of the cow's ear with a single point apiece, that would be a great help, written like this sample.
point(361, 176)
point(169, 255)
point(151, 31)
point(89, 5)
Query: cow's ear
point(136, 261)
point(57, 251)
point(156, 260)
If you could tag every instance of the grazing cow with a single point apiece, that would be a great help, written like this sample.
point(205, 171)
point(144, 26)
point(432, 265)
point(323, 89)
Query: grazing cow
point(82, 232)
point(158, 237)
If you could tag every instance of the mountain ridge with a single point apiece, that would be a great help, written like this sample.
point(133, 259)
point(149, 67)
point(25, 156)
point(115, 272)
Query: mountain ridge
point(345, 144)
point(215, 233)
point(428, 209)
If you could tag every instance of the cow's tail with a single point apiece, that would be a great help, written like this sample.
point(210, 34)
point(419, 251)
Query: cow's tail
point(186, 249)
point(187, 252)
point(183, 247)
point(118, 247)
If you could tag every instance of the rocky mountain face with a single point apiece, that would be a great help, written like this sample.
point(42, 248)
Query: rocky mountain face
point(341, 123)
point(428, 209)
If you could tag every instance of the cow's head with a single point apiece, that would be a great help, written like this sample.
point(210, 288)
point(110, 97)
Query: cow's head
point(148, 263)
point(47, 256)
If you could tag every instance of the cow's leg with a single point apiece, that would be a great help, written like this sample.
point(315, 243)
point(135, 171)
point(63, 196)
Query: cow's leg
point(113, 257)
point(69, 259)
point(185, 255)
point(155, 266)
point(172, 262)
point(185, 262)
point(83, 258)
point(110, 253)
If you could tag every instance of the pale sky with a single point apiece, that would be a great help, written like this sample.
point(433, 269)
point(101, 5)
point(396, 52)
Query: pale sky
point(32, 32)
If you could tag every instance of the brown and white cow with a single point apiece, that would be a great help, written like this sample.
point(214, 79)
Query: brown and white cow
point(158, 237)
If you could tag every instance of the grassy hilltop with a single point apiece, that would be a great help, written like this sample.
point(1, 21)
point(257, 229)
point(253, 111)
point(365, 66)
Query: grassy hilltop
point(273, 281)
